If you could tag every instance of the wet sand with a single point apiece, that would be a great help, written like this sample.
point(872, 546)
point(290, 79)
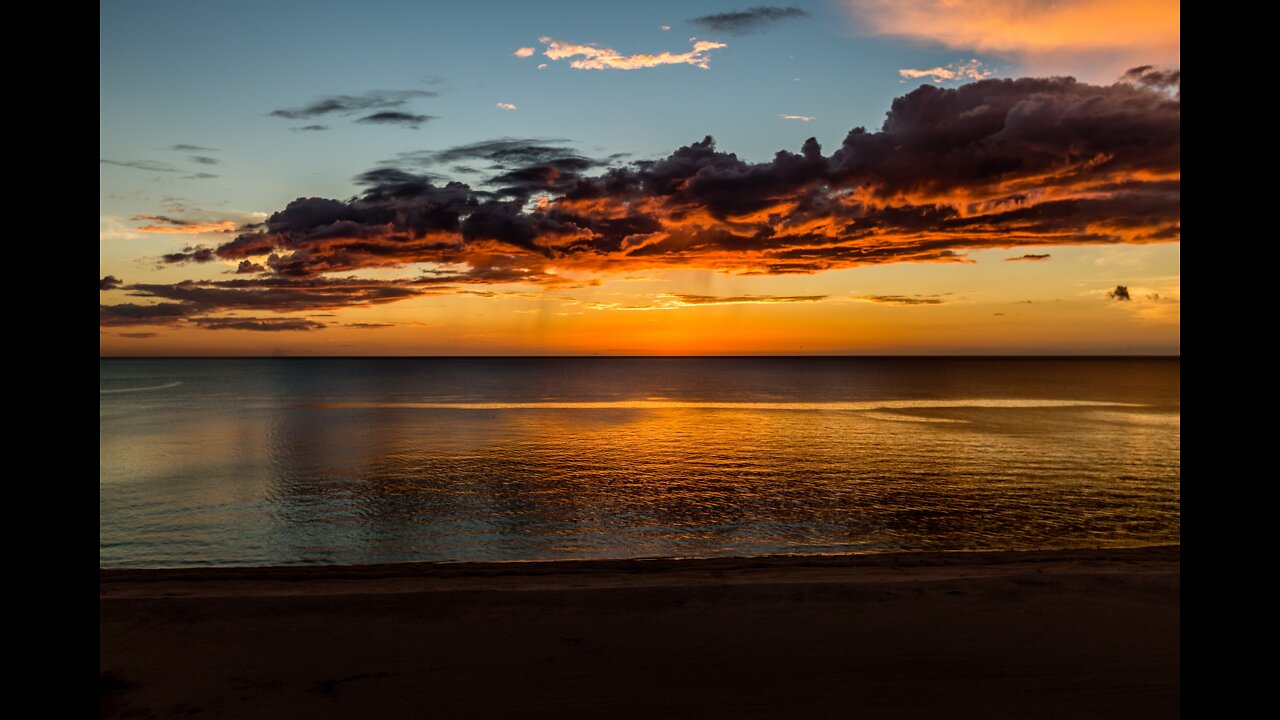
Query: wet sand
point(1045, 634)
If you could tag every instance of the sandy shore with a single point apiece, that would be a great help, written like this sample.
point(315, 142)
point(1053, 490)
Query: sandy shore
point(1083, 633)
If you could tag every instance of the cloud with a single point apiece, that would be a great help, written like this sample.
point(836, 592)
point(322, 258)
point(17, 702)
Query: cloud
point(542, 66)
point(110, 282)
point(1044, 34)
point(204, 160)
point(137, 335)
point(954, 72)
point(506, 106)
point(199, 176)
point(198, 254)
point(175, 226)
point(743, 299)
point(183, 147)
point(350, 104)
point(996, 164)
point(368, 326)
point(247, 267)
point(134, 314)
point(279, 294)
point(517, 168)
point(148, 165)
point(1028, 256)
point(902, 299)
point(310, 128)
point(499, 153)
point(1120, 293)
point(524, 52)
point(742, 22)
point(598, 58)
point(390, 117)
point(664, 28)
point(675, 301)
point(803, 118)
point(1153, 78)
point(258, 324)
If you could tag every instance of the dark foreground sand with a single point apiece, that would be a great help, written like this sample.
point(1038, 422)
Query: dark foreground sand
point(1088, 634)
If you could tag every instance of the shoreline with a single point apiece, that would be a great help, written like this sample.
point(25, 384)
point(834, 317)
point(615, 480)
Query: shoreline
point(651, 566)
point(1071, 633)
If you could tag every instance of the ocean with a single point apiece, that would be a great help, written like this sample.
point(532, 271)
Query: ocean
point(290, 461)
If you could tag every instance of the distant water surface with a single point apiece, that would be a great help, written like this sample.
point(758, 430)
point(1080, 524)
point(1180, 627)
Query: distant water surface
point(289, 461)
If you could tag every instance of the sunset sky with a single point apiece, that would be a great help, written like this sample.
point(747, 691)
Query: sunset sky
point(843, 177)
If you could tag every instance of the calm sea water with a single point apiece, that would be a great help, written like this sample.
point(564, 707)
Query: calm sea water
point(288, 461)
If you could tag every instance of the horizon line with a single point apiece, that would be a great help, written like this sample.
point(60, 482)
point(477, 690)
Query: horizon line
point(649, 357)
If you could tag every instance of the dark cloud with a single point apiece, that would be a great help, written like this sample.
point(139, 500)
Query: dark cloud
point(515, 168)
point(164, 220)
point(1151, 77)
point(245, 267)
point(258, 324)
point(387, 177)
point(1029, 256)
point(349, 104)
point(134, 314)
point(996, 164)
point(741, 22)
point(310, 128)
point(148, 165)
point(392, 117)
point(204, 160)
point(137, 335)
point(110, 282)
point(183, 147)
point(368, 326)
point(1120, 293)
point(198, 254)
point(199, 176)
point(502, 152)
point(903, 299)
point(745, 299)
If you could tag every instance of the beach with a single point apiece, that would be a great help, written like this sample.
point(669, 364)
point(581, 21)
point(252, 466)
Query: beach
point(1055, 633)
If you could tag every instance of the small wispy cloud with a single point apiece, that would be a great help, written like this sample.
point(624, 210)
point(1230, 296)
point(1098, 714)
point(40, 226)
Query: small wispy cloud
point(602, 58)
point(196, 254)
point(902, 299)
point(310, 128)
point(542, 66)
point(664, 28)
point(524, 52)
point(167, 225)
point(254, 323)
point(506, 106)
point(391, 117)
point(675, 301)
point(205, 160)
point(953, 72)
point(1120, 293)
point(148, 165)
point(1030, 257)
point(742, 22)
point(348, 104)
point(802, 118)
point(743, 299)
point(183, 147)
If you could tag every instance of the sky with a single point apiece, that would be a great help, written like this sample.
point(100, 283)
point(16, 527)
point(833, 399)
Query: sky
point(710, 178)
